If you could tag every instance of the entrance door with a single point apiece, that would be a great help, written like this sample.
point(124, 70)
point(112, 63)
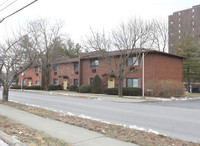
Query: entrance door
point(29, 82)
point(65, 84)
point(111, 82)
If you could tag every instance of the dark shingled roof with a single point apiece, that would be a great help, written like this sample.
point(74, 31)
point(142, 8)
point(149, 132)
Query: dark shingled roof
point(97, 54)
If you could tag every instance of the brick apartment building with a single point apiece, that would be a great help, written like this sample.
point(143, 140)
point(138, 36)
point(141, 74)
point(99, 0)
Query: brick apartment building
point(181, 22)
point(78, 71)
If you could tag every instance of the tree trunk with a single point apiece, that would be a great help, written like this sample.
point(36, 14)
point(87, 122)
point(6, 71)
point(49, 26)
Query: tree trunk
point(120, 93)
point(47, 82)
point(5, 94)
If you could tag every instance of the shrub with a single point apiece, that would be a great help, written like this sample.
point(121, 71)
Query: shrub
point(55, 87)
point(51, 87)
point(132, 91)
point(169, 89)
point(72, 88)
point(58, 87)
point(33, 88)
point(85, 89)
point(77, 89)
point(96, 85)
point(165, 88)
point(17, 87)
point(111, 91)
point(126, 91)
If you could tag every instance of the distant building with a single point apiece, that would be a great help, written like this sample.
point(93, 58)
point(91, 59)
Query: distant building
point(184, 21)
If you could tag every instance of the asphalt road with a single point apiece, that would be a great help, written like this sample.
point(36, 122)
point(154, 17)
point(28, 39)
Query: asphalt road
point(176, 119)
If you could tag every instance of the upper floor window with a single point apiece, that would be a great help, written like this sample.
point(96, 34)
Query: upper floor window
point(36, 70)
point(132, 61)
point(55, 81)
point(193, 10)
point(132, 82)
point(172, 22)
point(94, 63)
point(179, 13)
point(76, 66)
point(55, 68)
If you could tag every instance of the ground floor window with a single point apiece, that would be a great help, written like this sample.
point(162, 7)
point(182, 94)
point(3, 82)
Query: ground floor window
point(76, 82)
point(132, 82)
point(91, 80)
point(55, 81)
point(36, 82)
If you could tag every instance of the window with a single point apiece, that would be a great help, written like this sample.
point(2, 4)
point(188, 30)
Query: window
point(179, 37)
point(91, 80)
point(76, 66)
point(179, 19)
point(94, 63)
point(193, 29)
point(172, 22)
point(132, 60)
point(76, 82)
point(55, 68)
point(171, 45)
point(193, 23)
point(179, 25)
point(192, 10)
point(55, 81)
point(36, 70)
point(193, 16)
point(132, 82)
point(24, 82)
point(179, 13)
point(36, 82)
point(179, 31)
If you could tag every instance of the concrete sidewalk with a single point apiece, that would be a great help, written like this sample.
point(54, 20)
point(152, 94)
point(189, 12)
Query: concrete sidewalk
point(71, 134)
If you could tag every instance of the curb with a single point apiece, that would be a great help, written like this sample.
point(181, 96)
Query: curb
point(11, 140)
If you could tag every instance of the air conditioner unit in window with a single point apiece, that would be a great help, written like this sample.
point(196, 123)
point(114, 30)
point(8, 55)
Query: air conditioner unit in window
point(93, 70)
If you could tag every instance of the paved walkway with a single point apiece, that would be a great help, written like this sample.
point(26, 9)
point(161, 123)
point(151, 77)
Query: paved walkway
point(71, 134)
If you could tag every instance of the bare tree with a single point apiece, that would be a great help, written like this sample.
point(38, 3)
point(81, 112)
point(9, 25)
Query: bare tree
point(14, 59)
point(160, 34)
point(44, 34)
point(116, 47)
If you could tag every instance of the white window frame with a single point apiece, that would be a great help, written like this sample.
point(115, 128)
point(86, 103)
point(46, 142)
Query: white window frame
point(132, 60)
point(134, 84)
point(37, 82)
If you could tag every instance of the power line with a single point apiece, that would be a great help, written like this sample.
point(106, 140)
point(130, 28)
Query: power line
point(18, 11)
point(3, 3)
point(8, 5)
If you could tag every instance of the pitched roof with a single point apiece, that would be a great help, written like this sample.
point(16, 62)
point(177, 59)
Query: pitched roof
point(98, 54)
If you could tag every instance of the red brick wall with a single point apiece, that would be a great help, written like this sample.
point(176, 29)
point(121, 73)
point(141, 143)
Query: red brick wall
point(157, 67)
point(31, 73)
point(67, 70)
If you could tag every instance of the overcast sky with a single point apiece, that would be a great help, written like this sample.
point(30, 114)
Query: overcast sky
point(80, 15)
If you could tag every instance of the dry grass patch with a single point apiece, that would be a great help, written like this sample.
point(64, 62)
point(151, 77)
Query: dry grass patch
point(113, 131)
point(27, 135)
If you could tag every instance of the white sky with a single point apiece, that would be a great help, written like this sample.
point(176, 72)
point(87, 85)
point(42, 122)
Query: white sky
point(80, 15)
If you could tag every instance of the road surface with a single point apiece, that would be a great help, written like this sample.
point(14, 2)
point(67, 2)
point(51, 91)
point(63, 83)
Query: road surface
point(176, 119)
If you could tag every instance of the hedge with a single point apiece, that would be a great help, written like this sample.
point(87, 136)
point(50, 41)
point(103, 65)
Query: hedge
point(33, 88)
point(85, 89)
point(72, 88)
point(17, 87)
point(55, 87)
point(27, 87)
point(126, 91)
